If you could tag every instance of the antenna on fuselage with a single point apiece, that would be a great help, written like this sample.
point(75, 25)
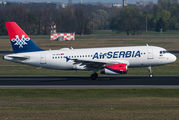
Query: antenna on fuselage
point(147, 44)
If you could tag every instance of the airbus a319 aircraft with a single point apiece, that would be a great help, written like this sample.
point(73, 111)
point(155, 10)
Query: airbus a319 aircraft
point(110, 60)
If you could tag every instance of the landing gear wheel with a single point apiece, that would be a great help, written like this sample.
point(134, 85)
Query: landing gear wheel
point(150, 75)
point(150, 70)
point(96, 74)
point(93, 77)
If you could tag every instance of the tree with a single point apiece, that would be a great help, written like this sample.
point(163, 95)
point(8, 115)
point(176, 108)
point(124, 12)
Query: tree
point(129, 19)
point(113, 22)
point(164, 14)
point(32, 19)
point(163, 17)
point(167, 4)
point(161, 24)
point(150, 21)
point(3, 30)
point(173, 23)
point(155, 9)
point(102, 16)
point(82, 20)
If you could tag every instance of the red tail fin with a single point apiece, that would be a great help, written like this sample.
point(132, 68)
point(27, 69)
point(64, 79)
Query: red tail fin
point(13, 30)
point(20, 41)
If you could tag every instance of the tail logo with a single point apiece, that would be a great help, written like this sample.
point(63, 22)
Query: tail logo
point(20, 42)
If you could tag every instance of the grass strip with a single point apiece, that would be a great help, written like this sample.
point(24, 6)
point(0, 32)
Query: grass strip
point(92, 104)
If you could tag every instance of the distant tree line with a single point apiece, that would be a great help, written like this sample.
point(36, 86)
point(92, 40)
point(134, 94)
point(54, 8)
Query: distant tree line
point(35, 18)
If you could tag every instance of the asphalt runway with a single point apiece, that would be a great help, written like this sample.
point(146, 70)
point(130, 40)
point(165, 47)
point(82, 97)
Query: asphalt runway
point(84, 82)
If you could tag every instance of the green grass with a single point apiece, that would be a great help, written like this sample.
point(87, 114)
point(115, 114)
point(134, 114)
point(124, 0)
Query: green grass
point(149, 32)
point(95, 104)
point(143, 43)
point(169, 42)
point(167, 32)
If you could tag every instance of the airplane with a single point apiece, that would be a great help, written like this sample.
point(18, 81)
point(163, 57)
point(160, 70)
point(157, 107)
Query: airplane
point(109, 60)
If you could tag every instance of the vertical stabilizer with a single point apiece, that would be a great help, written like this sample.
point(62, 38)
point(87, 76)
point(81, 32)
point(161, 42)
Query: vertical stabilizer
point(20, 41)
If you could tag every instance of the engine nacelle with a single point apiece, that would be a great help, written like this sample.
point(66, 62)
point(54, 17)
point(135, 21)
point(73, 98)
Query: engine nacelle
point(115, 69)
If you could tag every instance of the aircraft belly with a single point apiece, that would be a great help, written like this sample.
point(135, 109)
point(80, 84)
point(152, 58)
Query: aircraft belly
point(134, 63)
point(60, 64)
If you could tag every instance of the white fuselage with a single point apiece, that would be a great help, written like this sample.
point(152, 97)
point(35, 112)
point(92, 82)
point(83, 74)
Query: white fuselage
point(138, 56)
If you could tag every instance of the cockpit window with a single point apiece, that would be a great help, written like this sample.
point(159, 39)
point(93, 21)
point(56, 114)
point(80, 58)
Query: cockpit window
point(163, 52)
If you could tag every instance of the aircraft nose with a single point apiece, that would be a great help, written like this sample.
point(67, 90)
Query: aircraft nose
point(173, 58)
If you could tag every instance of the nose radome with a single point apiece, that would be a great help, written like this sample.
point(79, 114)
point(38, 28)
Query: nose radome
point(173, 58)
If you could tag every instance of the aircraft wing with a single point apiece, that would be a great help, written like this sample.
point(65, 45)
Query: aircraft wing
point(97, 63)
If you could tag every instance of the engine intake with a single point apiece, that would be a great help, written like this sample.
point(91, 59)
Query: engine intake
point(115, 69)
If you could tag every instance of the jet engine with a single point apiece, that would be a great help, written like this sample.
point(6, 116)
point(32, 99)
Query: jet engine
point(115, 69)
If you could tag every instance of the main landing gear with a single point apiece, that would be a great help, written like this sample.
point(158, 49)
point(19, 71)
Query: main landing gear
point(150, 70)
point(94, 76)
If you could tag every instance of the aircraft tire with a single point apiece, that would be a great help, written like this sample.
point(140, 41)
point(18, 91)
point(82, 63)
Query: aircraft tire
point(96, 74)
point(93, 77)
point(150, 75)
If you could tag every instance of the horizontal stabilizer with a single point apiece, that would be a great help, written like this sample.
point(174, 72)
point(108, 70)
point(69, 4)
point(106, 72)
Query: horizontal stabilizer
point(11, 57)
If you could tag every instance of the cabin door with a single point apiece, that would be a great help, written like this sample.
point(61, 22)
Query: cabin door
point(42, 58)
point(150, 53)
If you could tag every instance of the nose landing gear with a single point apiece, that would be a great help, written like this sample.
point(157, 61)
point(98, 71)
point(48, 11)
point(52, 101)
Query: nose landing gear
point(150, 70)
